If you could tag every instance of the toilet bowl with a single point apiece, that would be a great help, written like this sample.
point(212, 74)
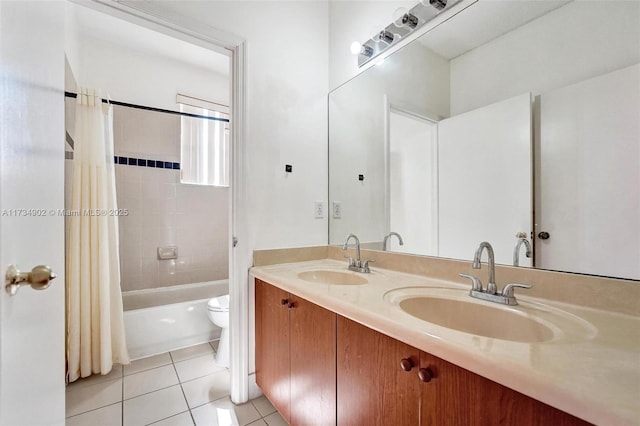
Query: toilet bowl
point(218, 311)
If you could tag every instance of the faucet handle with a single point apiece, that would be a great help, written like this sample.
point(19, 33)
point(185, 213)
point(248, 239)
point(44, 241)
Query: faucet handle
point(366, 263)
point(507, 291)
point(476, 284)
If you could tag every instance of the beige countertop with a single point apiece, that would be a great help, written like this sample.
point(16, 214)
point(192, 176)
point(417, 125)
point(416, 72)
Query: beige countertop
point(590, 369)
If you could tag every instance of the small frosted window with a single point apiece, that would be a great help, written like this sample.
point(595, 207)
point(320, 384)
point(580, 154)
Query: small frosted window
point(204, 146)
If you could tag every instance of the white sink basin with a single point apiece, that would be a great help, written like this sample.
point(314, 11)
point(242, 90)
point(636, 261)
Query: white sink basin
point(333, 277)
point(455, 309)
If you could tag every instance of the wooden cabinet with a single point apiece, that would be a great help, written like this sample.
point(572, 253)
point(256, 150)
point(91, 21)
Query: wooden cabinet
point(455, 396)
point(272, 345)
point(296, 356)
point(319, 368)
point(372, 387)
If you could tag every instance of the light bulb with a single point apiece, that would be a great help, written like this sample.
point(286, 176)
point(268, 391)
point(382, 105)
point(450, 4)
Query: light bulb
point(359, 49)
point(356, 47)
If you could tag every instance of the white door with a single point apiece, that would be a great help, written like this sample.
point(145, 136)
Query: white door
point(589, 177)
point(485, 179)
point(32, 360)
point(413, 183)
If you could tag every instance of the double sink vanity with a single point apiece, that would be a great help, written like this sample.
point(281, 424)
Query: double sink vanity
point(405, 343)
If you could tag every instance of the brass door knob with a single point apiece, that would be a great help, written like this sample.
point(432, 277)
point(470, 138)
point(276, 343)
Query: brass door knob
point(39, 278)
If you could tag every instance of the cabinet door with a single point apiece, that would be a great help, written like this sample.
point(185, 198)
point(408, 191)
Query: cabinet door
point(455, 396)
point(272, 345)
point(372, 388)
point(313, 364)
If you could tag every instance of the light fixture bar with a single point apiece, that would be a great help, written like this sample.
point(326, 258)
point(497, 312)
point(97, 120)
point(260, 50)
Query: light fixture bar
point(412, 21)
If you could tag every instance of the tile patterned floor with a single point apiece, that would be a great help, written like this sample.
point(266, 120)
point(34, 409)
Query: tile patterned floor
point(178, 388)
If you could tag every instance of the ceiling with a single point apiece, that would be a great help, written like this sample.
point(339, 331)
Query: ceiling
point(118, 32)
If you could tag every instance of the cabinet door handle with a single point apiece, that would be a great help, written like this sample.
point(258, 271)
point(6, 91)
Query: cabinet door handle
point(406, 364)
point(292, 305)
point(425, 374)
point(284, 302)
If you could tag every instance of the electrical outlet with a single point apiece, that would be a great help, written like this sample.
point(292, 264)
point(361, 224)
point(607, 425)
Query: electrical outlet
point(337, 209)
point(319, 209)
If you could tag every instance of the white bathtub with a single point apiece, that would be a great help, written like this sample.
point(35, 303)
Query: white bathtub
point(169, 318)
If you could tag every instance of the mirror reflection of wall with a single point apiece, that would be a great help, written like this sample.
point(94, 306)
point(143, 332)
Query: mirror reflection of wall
point(579, 61)
point(413, 182)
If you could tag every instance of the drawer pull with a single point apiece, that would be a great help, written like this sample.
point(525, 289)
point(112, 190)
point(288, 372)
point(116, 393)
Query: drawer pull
point(406, 364)
point(425, 375)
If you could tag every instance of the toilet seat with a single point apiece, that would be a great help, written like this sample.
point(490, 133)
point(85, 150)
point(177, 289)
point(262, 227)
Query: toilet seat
point(219, 304)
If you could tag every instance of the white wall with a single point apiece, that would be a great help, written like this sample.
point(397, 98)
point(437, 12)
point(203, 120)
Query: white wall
point(71, 40)
point(141, 78)
point(287, 49)
point(573, 43)
point(351, 21)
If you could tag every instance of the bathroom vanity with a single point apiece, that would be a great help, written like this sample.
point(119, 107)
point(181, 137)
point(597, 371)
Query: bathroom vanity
point(340, 347)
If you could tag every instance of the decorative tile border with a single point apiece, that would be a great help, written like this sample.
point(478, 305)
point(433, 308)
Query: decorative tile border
point(142, 162)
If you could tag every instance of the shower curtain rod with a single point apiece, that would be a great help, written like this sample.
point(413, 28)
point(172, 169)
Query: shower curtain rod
point(167, 111)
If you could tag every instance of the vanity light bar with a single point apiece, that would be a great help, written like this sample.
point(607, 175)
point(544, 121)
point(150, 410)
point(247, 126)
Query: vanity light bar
point(411, 21)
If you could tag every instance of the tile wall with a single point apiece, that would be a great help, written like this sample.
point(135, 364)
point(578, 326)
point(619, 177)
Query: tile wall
point(161, 210)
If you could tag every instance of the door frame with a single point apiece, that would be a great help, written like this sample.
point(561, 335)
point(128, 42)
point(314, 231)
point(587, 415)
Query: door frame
point(395, 105)
point(151, 16)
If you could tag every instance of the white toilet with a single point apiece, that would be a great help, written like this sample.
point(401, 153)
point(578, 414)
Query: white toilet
point(218, 311)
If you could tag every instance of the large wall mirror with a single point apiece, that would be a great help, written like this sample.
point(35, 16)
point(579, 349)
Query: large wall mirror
point(514, 122)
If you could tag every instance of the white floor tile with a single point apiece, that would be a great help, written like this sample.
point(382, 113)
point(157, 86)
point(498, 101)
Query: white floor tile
point(111, 415)
point(149, 381)
point(84, 398)
point(154, 406)
point(182, 419)
point(197, 367)
point(275, 419)
point(147, 363)
point(206, 389)
point(115, 373)
point(224, 413)
point(191, 352)
point(263, 406)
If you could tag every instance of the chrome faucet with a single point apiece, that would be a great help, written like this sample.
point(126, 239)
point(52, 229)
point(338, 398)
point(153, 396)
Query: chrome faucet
point(491, 294)
point(522, 239)
point(356, 264)
point(386, 239)
point(491, 263)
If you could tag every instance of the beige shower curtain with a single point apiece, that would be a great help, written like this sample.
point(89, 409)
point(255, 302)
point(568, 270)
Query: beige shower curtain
point(95, 325)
